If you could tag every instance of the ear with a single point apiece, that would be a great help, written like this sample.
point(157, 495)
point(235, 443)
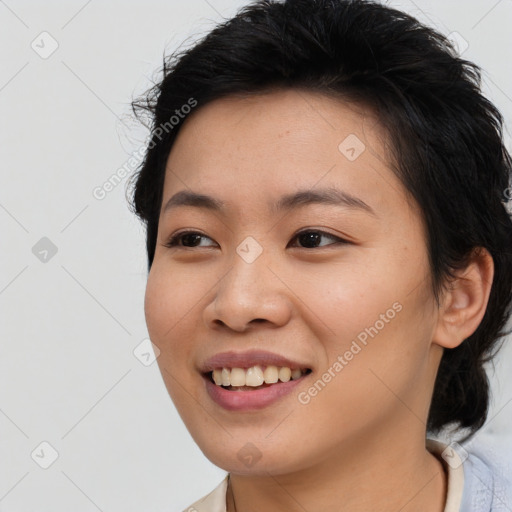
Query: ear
point(465, 300)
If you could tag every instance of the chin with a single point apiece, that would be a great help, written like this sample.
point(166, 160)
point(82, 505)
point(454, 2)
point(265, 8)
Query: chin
point(251, 459)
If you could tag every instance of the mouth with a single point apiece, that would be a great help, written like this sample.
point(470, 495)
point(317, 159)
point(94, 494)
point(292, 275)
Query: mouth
point(238, 389)
point(252, 380)
point(255, 377)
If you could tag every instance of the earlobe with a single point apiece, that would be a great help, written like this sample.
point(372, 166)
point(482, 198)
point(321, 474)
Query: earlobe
point(465, 300)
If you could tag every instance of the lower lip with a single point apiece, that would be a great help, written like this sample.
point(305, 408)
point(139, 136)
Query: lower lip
point(249, 400)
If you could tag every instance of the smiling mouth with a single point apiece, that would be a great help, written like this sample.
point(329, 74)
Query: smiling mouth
point(255, 377)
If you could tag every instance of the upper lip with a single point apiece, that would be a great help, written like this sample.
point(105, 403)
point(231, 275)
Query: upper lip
point(248, 359)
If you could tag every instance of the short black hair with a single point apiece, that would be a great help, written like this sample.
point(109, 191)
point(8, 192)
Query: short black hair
point(446, 141)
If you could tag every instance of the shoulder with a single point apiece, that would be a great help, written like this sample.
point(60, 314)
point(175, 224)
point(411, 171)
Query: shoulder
point(215, 501)
point(487, 477)
point(479, 474)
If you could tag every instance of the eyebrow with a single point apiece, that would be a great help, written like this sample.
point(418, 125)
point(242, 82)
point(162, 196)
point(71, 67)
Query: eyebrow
point(330, 196)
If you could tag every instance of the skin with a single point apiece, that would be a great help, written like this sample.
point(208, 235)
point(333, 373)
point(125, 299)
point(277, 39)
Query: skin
point(359, 444)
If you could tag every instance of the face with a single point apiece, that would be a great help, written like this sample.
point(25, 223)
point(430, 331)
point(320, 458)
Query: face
point(310, 251)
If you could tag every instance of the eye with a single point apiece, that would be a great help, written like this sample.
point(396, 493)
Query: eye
point(189, 238)
point(311, 237)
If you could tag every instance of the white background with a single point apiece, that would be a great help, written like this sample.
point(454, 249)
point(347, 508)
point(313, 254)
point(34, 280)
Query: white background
point(68, 375)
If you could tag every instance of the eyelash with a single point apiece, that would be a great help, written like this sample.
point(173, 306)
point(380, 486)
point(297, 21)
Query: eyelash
point(172, 242)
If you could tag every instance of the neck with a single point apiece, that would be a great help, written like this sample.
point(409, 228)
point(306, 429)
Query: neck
point(387, 476)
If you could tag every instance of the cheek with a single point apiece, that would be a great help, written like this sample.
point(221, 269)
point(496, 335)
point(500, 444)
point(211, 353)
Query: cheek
point(157, 307)
point(169, 307)
point(375, 316)
point(348, 300)
point(170, 296)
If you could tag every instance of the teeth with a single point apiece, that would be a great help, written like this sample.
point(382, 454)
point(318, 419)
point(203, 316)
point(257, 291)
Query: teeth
point(285, 374)
point(295, 374)
point(255, 376)
point(217, 377)
point(238, 377)
point(271, 374)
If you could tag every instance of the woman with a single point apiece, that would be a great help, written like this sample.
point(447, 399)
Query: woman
point(330, 258)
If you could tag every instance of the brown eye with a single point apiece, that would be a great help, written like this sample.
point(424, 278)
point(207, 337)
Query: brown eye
point(188, 239)
point(310, 239)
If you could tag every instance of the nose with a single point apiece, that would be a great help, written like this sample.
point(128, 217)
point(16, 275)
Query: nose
point(249, 294)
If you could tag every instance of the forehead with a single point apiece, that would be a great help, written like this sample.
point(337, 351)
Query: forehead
point(250, 148)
